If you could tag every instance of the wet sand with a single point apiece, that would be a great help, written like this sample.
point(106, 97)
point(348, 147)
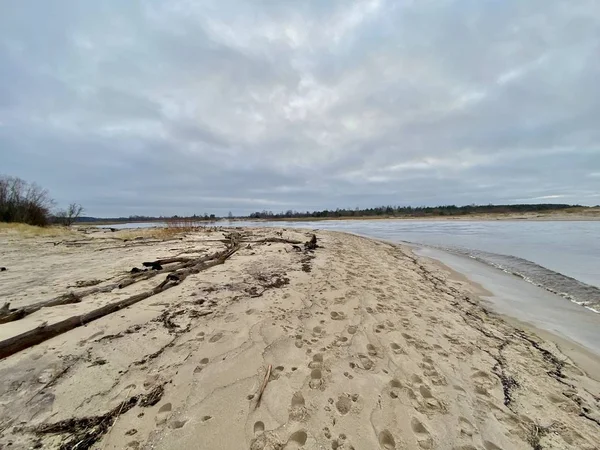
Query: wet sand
point(574, 328)
point(358, 344)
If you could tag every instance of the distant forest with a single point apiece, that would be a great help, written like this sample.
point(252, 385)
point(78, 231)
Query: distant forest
point(409, 211)
point(380, 211)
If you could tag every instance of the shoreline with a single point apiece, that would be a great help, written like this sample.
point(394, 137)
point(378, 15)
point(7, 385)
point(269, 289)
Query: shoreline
point(511, 296)
point(591, 214)
point(359, 344)
point(587, 358)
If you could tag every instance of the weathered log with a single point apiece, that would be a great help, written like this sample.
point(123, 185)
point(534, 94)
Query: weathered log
point(7, 315)
point(164, 261)
point(42, 333)
point(277, 240)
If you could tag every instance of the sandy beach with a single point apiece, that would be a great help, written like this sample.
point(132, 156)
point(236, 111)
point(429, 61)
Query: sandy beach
point(256, 341)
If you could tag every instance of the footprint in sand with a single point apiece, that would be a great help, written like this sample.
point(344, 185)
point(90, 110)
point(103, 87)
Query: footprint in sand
point(423, 436)
point(343, 404)
point(316, 379)
point(296, 440)
point(366, 363)
point(276, 373)
point(317, 361)
point(202, 365)
point(483, 382)
point(386, 440)
point(352, 329)
point(215, 337)
point(175, 424)
point(341, 341)
point(163, 413)
point(259, 428)
point(397, 349)
point(466, 427)
point(298, 412)
point(337, 315)
point(371, 350)
point(395, 385)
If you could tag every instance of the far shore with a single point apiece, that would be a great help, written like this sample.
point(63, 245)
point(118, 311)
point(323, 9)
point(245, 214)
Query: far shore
point(591, 214)
point(263, 338)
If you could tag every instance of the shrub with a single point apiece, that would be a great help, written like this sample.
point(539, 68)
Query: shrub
point(24, 202)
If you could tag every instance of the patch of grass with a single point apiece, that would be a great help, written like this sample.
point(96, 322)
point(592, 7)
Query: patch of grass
point(22, 229)
point(173, 228)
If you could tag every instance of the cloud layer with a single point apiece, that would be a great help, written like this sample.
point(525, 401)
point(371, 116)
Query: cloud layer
point(186, 107)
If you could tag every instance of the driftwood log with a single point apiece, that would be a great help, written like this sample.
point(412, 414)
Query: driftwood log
point(9, 315)
point(44, 332)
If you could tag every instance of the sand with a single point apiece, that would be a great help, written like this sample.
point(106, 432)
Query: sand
point(368, 347)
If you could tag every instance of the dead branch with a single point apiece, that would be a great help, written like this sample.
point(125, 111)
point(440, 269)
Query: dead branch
point(44, 332)
point(276, 240)
point(264, 385)
point(8, 315)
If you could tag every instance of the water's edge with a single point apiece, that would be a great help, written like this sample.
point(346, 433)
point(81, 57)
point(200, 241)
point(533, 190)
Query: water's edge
point(557, 283)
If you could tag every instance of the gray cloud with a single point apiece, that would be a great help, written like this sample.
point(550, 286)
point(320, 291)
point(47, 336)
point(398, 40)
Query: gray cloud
point(183, 107)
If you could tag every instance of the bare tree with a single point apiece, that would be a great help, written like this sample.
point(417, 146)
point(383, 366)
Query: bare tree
point(69, 215)
point(24, 202)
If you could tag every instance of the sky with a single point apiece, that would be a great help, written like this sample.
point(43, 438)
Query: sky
point(191, 107)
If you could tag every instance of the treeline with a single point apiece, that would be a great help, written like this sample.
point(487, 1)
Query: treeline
point(138, 218)
point(410, 211)
point(24, 202)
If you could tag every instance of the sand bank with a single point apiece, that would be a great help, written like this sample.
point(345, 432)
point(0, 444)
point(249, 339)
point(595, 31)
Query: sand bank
point(366, 346)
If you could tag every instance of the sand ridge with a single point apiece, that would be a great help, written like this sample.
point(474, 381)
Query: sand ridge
point(369, 346)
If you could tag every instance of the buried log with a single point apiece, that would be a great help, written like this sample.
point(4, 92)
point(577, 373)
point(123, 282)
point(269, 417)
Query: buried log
point(44, 332)
point(8, 315)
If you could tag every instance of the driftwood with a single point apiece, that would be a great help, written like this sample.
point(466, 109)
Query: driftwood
point(8, 315)
point(264, 385)
point(44, 332)
point(277, 240)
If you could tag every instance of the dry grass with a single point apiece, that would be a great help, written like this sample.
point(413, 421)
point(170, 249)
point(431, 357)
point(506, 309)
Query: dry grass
point(25, 230)
point(173, 228)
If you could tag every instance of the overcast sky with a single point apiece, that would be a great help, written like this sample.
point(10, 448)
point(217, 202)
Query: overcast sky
point(182, 107)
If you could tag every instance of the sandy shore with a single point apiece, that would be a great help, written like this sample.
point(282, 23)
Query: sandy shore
point(366, 346)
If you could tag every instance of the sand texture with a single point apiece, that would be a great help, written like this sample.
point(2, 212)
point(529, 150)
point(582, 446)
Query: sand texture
point(365, 345)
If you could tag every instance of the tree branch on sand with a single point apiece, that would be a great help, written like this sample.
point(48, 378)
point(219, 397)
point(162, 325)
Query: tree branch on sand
point(177, 275)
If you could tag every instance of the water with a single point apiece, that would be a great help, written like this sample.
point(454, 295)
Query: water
point(562, 257)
